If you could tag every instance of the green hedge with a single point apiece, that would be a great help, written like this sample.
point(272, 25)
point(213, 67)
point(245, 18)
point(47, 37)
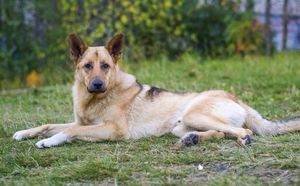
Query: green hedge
point(33, 33)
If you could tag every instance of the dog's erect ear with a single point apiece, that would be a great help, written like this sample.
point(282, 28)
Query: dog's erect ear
point(115, 46)
point(77, 47)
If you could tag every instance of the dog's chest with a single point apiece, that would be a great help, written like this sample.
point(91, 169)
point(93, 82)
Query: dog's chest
point(95, 113)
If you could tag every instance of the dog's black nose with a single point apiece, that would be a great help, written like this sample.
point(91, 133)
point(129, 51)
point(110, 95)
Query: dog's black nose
point(97, 84)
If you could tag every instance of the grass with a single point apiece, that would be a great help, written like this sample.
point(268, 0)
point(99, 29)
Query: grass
point(271, 85)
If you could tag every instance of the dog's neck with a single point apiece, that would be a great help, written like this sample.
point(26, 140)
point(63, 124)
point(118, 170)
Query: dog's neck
point(123, 83)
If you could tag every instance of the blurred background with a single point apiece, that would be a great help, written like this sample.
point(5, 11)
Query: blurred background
point(33, 33)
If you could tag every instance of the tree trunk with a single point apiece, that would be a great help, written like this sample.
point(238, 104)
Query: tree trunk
point(268, 37)
point(285, 24)
point(250, 6)
point(54, 6)
point(80, 9)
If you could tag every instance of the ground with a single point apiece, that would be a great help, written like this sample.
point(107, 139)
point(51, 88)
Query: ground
point(271, 85)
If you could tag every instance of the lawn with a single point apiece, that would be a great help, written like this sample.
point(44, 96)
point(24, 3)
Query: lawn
point(271, 85)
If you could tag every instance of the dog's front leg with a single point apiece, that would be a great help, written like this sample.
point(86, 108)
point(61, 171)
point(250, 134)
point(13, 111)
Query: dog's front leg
point(106, 131)
point(44, 130)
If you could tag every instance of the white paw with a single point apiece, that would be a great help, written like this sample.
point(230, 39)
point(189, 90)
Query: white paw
point(20, 135)
point(55, 140)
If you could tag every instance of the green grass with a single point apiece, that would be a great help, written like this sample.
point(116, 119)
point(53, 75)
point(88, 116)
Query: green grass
point(271, 85)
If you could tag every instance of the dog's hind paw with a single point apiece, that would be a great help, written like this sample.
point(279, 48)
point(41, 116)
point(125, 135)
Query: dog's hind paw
point(245, 140)
point(190, 139)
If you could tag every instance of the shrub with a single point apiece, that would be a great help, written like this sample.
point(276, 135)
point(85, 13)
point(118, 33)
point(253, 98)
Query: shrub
point(33, 33)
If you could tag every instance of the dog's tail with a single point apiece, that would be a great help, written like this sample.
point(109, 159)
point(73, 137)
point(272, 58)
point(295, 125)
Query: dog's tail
point(261, 126)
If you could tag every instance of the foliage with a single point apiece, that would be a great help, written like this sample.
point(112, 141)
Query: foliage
point(245, 36)
point(33, 79)
point(33, 33)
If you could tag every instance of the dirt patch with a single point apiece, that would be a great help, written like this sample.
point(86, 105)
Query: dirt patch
point(224, 169)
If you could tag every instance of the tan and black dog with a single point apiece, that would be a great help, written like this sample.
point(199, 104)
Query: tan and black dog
point(110, 104)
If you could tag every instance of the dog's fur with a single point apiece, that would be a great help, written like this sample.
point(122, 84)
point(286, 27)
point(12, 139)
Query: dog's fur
point(121, 108)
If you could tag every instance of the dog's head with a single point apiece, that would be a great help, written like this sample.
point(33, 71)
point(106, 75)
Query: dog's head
point(96, 67)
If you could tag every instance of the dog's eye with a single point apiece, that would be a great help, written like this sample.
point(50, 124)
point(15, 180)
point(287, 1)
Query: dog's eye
point(105, 66)
point(88, 66)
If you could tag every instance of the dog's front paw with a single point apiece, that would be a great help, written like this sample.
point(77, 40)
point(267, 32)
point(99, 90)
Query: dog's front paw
point(20, 135)
point(55, 140)
point(46, 143)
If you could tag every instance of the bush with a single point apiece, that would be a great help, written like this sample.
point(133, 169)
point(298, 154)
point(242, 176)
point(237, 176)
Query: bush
point(245, 36)
point(33, 33)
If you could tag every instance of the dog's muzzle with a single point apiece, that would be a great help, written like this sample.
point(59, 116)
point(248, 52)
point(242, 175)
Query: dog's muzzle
point(96, 86)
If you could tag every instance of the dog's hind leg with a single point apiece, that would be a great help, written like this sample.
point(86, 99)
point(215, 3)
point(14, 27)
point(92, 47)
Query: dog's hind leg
point(203, 122)
point(181, 130)
point(191, 137)
point(44, 130)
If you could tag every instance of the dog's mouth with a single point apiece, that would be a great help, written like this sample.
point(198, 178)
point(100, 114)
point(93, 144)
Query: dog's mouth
point(96, 91)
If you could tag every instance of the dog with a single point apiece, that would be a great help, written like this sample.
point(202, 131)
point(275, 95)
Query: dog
point(110, 104)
